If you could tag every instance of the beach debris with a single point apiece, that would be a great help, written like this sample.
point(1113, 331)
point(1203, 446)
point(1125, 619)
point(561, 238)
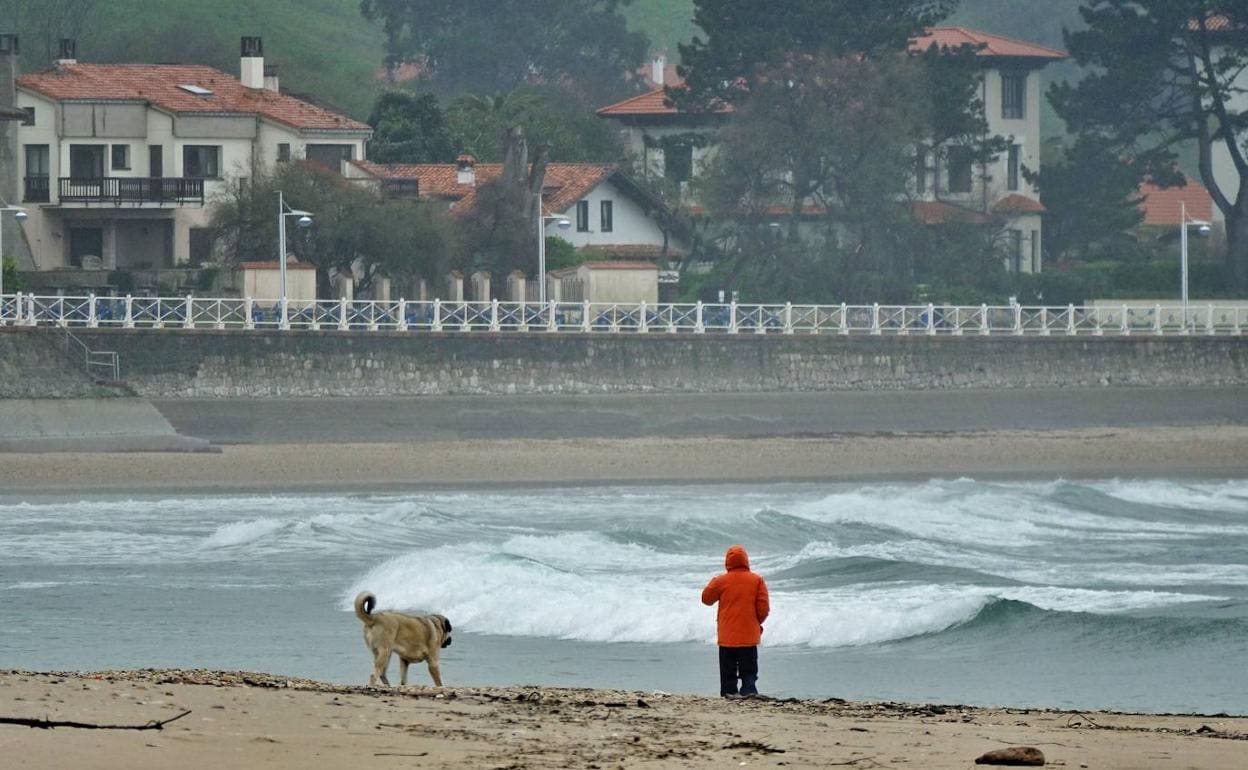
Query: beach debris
point(48, 724)
point(758, 746)
point(1025, 756)
point(642, 704)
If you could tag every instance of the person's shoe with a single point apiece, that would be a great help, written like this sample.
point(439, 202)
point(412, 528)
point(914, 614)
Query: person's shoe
point(731, 695)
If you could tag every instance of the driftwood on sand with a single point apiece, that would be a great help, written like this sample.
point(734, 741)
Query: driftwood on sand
point(48, 724)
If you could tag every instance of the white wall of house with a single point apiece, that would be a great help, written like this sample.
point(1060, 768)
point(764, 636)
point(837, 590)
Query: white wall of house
point(650, 161)
point(623, 285)
point(248, 146)
point(631, 224)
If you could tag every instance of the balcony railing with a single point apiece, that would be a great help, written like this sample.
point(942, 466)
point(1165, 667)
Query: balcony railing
point(132, 190)
point(38, 188)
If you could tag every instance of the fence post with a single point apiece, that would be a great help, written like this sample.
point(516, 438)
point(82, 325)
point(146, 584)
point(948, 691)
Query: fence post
point(843, 326)
point(494, 315)
point(732, 317)
point(188, 319)
point(585, 325)
point(1070, 319)
point(642, 327)
point(875, 318)
point(1209, 319)
point(30, 309)
point(957, 320)
point(983, 319)
point(931, 319)
point(788, 318)
point(551, 325)
point(284, 323)
point(1018, 319)
point(401, 324)
point(92, 321)
point(1156, 319)
point(248, 319)
point(698, 326)
point(1096, 316)
point(1124, 324)
point(435, 323)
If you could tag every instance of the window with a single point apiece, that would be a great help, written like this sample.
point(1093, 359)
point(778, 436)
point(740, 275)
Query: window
point(678, 162)
point(37, 173)
point(1012, 159)
point(283, 152)
point(582, 216)
point(155, 161)
point(961, 161)
point(1013, 96)
point(201, 161)
point(200, 245)
point(1035, 251)
point(86, 161)
point(121, 157)
point(29, 120)
point(1016, 250)
point(920, 171)
point(330, 156)
point(607, 221)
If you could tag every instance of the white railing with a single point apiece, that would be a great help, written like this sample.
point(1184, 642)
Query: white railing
point(192, 312)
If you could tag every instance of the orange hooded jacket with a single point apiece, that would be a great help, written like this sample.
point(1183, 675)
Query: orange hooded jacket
point(743, 601)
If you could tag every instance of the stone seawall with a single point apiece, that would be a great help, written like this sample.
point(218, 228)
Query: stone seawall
point(200, 363)
point(33, 365)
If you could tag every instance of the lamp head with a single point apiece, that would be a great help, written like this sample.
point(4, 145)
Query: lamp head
point(304, 221)
point(563, 223)
point(20, 215)
point(1203, 229)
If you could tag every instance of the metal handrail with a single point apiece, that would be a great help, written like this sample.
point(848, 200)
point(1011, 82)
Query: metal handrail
point(245, 313)
point(106, 360)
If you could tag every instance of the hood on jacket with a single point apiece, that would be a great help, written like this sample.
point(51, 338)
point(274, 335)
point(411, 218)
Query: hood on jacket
point(736, 558)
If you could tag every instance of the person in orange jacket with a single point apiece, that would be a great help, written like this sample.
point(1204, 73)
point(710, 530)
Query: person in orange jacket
point(743, 606)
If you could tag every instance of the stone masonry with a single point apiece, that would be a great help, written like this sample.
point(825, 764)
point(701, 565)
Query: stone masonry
point(202, 363)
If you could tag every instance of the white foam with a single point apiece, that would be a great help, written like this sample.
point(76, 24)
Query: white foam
point(242, 532)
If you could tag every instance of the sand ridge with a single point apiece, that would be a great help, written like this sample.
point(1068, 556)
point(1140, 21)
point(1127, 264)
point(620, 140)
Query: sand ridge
point(249, 720)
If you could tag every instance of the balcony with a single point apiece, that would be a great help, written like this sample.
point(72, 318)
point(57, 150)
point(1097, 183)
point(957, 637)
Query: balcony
point(38, 188)
point(137, 190)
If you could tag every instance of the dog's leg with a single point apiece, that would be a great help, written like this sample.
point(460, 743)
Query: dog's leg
point(435, 670)
point(403, 671)
point(381, 661)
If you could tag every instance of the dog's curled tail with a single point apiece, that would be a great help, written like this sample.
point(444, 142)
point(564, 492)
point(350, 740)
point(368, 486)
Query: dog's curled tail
point(364, 604)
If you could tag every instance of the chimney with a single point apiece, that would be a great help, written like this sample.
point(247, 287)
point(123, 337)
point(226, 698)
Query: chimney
point(251, 66)
point(270, 78)
point(658, 68)
point(68, 52)
point(466, 172)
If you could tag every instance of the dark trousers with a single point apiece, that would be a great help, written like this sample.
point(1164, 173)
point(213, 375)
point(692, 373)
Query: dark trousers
point(738, 663)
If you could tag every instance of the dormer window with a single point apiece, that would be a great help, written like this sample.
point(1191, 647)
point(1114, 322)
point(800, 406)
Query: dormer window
point(197, 90)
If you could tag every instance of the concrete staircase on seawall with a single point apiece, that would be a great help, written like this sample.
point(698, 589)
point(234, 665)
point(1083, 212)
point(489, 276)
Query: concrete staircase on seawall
point(48, 403)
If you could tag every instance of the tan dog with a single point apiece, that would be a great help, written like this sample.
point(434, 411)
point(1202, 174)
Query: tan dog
point(412, 637)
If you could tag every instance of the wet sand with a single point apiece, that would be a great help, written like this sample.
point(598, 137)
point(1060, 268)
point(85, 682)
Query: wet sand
point(1174, 452)
point(257, 720)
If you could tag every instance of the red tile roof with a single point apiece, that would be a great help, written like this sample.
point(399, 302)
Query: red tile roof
point(620, 265)
point(940, 212)
point(1162, 206)
point(158, 85)
point(1018, 204)
point(990, 45)
point(563, 186)
point(275, 265)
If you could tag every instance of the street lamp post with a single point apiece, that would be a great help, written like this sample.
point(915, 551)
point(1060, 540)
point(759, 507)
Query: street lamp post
point(20, 215)
point(563, 224)
point(304, 220)
point(1202, 229)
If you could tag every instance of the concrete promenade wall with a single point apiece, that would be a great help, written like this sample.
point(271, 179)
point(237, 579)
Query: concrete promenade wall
point(201, 363)
point(32, 366)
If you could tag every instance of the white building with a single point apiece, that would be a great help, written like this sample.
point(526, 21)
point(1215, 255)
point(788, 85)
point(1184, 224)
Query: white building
point(119, 163)
point(675, 144)
point(610, 215)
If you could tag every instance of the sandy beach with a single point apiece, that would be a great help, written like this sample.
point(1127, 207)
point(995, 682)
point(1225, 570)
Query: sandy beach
point(1084, 453)
point(256, 720)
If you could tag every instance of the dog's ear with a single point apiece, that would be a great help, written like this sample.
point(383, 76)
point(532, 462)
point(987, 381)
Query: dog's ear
point(446, 624)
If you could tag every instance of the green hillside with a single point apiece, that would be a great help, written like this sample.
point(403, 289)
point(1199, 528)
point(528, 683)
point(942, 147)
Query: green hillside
point(323, 47)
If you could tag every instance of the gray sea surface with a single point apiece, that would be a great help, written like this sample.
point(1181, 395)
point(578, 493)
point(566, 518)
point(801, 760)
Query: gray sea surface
point(1115, 594)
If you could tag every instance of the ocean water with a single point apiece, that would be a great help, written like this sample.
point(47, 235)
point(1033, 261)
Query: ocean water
point(1128, 595)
